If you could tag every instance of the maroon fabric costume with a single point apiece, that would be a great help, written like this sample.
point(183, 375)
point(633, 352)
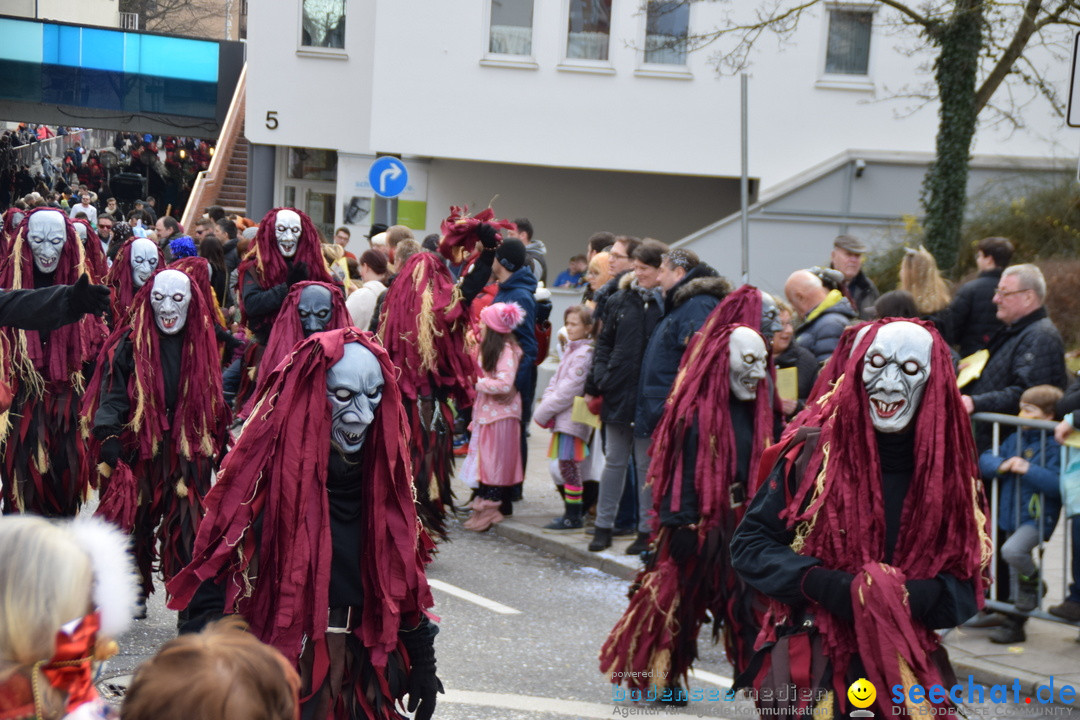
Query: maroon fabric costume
point(422, 326)
point(669, 600)
point(288, 332)
point(122, 284)
point(459, 230)
point(198, 271)
point(169, 457)
point(838, 516)
point(95, 254)
point(267, 534)
point(9, 230)
point(41, 462)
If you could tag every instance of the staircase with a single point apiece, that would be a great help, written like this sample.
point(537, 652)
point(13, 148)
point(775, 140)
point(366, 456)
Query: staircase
point(225, 181)
point(233, 193)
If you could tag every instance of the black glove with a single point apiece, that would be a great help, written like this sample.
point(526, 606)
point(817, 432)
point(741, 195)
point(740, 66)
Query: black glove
point(683, 543)
point(110, 451)
point(86, 298)
point(923, 595)
point(297, 273)
point(488, 237)
point(424, 684)
point(831, 589)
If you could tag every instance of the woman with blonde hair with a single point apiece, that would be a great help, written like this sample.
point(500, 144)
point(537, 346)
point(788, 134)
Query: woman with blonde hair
point(65, 589)
point(919, 275)
point(598, 274)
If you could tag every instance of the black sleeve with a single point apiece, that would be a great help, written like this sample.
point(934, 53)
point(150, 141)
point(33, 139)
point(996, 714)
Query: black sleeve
point(114, 405)
point(43, 309)
point(1070, 401)
point(605, 343)
point(261, 303)
point(761, 547)
point(943, 601)
point(477, 279)
point(687, 514)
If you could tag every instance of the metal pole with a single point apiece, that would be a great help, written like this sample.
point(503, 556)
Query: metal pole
point(744, 186)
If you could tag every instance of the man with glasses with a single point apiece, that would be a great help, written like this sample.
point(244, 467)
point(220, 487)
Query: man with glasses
point(620, 260)
point(1027, 352)
point(104, 231)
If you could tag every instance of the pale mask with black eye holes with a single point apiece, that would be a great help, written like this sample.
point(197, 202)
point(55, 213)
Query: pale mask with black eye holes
point(80, 230)
point(314, 309)
point(895, 370)
point(287, 229)
point(748, 358)
point(770, 315)
point(354, 386)
point(17, 218)
point(170, 297)
point(46, 233)
point(144, 261)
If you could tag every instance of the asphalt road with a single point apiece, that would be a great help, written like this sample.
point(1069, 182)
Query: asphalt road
point(524, 645)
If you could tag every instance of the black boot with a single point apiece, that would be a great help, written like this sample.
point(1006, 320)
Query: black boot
point(601, 540)
point(640, 544)
point(1010, 632)
point(571, 519)
point(1028, 592)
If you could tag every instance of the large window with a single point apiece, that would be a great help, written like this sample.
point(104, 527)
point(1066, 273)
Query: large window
point(590, 29)
point(667, 24)
point(848, 48)
point(323, 24)
point(511, 27)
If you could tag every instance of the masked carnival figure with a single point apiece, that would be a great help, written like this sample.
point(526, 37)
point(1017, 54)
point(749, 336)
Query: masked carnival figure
point(138, 260)
point(706, 450)
point(312, 533)
point(41, 457)
point(422, 326)
point(93, 249)
point(155, 417)
point(287, 251)
point(869, 533)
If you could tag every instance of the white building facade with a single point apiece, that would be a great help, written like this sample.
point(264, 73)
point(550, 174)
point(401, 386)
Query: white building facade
point(582, 115)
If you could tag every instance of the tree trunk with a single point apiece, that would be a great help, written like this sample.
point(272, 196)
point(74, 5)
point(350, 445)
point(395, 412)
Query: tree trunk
point(945, 185)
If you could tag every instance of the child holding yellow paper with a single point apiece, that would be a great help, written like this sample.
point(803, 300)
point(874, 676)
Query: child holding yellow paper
point(569, 439)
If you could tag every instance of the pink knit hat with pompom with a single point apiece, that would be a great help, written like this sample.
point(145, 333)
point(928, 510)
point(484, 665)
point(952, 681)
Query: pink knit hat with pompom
point(502, 317)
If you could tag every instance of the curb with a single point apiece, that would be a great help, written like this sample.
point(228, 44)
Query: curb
point(558, 546)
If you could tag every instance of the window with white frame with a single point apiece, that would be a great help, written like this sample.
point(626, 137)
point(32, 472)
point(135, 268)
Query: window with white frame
point(667, 25)
point(323, 24)
point(589, 32)
point(511, 27)
point(847, 50)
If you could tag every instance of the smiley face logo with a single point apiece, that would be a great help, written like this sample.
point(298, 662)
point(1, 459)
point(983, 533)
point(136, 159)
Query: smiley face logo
point(862, 693)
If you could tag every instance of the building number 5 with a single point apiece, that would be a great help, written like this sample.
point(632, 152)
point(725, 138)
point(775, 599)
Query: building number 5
point(271, 119)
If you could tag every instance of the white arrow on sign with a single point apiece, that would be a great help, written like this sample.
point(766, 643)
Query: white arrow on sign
point(394, 172)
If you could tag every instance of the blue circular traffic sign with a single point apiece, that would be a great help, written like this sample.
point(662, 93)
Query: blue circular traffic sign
point(388, 177)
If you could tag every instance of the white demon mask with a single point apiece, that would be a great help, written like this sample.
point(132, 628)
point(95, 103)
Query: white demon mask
point(287, 228)
point(144, 260)
point(354, 386)
point(748, 358)
point(895, 370)
point(315, 309)
point(170, 297)
point(46, 233)
point(17, 218)
point(80, 230)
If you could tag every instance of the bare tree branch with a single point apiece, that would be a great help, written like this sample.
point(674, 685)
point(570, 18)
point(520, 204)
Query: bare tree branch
point(1024, 30)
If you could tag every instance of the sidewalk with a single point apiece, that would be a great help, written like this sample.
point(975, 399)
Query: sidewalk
point(1052, 649)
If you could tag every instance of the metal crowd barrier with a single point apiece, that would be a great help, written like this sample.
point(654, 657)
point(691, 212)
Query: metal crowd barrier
point(1001, 427)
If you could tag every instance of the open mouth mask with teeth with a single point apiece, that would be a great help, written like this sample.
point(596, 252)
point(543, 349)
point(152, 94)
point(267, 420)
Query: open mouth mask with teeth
point(144, 260)
point(895, 370)
point(354, 387)
point(314, 309)
point(170, 297)
point(46, 233)
point(287, 227)
point(748, 357)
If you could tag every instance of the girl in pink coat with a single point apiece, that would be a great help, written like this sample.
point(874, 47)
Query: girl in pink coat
point(569, 439)
point(496, 424)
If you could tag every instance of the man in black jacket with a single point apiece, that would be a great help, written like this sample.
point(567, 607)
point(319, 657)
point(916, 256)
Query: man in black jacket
point(1027, 351)
point(971, 320)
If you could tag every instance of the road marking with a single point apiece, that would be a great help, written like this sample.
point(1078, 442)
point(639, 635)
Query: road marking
point(533, 704)
point(472, 597)
point(713, 679)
